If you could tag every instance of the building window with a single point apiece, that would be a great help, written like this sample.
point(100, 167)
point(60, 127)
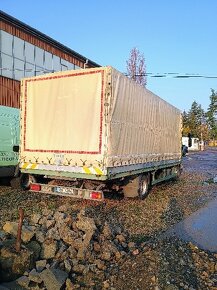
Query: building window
point(29, 52)
point(29, 69)
point(39, 56)
point(77, 67)
point(48, 61)
point(7, 66)
point(70, 65)
point(56, 63)
point(63, 67)
point(18, 48)
point(39, 70)
point(6, 43)
point(18, 69)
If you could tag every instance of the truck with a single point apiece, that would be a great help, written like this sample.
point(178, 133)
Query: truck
point(194, 144)
point(87, 132)
point(9, 141)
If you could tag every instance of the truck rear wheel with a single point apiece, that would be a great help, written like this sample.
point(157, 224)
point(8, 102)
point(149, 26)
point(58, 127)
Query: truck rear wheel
point(26, 180)
point(144, 186)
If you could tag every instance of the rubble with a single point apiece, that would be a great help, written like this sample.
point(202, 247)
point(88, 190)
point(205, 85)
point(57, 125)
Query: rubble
point(64, 247)
point(84, 253)
point(27, 232)
point(53, 278)
point(13, 264)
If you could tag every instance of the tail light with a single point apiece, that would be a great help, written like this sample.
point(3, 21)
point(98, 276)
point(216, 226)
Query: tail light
point(96, 195)
point(35, 187)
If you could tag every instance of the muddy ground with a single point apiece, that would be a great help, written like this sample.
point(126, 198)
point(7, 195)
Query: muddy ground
point(161, 263)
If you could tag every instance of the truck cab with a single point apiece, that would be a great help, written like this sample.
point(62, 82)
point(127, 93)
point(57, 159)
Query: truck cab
point(9, 141)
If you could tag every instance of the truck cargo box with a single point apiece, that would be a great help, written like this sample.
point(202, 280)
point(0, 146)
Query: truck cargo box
point(96, 124)
point(90, 121)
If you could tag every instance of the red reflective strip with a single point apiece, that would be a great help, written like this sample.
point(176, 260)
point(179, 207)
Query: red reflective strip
point(102, 72)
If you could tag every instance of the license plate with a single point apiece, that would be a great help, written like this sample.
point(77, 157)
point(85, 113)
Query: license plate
point(67, 190)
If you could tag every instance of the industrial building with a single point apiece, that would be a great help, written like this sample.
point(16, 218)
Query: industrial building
point(26, 52)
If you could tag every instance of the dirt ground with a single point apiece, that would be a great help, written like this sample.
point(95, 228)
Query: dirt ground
point(161, 263)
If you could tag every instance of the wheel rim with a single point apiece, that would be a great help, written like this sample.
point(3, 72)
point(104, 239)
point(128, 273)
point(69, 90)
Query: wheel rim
point(144, 187)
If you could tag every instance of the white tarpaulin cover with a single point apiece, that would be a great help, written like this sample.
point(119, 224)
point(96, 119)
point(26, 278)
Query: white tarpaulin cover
point(95, 117)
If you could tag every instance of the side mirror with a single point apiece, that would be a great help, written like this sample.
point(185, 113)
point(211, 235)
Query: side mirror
point(16, 148)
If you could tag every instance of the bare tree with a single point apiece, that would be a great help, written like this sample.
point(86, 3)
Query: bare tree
point(136, 68)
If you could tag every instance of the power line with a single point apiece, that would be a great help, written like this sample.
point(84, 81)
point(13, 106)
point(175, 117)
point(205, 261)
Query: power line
point(175, 75)
point(148, 74)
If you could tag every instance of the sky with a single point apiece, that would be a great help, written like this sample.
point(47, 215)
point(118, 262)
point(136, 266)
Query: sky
point(174, 36)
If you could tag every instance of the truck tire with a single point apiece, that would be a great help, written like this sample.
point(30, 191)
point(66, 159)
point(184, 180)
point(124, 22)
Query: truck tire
point(26, 180)
point(144, 186)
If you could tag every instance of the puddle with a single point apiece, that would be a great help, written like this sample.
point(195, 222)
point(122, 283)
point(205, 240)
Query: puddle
point(199, 228)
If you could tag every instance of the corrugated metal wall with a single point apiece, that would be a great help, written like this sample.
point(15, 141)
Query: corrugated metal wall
point(9, 92)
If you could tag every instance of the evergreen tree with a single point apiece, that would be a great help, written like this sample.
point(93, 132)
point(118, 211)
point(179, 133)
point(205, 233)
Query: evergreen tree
point(196, 118)
point(212, 115)
point(185, 124)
